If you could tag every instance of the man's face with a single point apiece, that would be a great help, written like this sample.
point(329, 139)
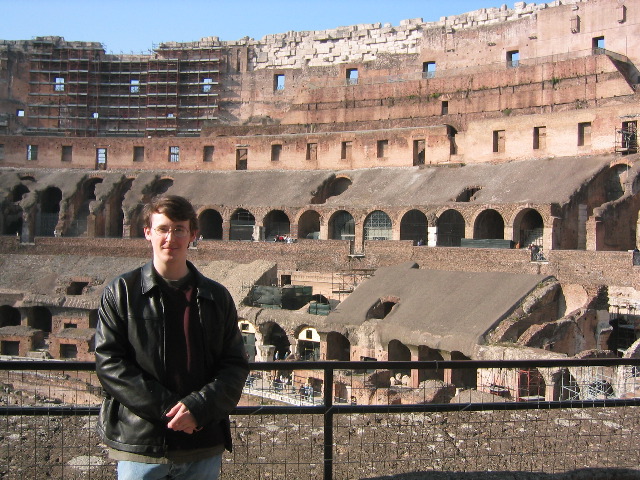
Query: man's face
point(164, 234)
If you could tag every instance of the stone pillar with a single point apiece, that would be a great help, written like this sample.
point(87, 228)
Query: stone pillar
point(432, 236)
point(582, 227)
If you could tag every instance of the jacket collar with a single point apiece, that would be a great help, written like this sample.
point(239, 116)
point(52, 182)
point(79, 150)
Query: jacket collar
point(150, 281)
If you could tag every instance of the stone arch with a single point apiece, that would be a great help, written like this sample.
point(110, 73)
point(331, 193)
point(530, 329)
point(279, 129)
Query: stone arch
point(378, 226)
point(241, 225)
point(13, 212)
point(309, 225)
point(398, 351)
point(382, 307)
point(210, 224)
point(81, 202)
point(463, 377)
point(489, 224)
point(338, 347)
point(528, 228)
point(276, 223)
point(114, 214)
point(342, 226)
point(531, 384)
point(414, 226)
point(248, 332)
point(565, 386)
point(158, 187)
point(429, 354)
point(451, 228)
point(48, 212)
point(332, 187)
point(274, 335)
point(9, 316)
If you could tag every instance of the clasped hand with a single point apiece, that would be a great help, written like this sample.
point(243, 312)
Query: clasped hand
point(181, 419)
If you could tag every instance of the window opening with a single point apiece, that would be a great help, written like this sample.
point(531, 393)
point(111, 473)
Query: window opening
point(539, 138)
point(101, 158)
point(32, 152)
point(241, 158)
point(206, 85)
point(498, 141)
point(418, 152)
point(627, 138)
point(138, 154)
point(276, 150)
point(20, 113)
point(584, 134)
point(67, 151)
point(68, 350)
point(352, 76)
point(1, 151)
point(278, 82)
point(207, 153)
point(597, 44)
point(134, 86)
point(382, 148)
point(428, 69)
point(345, 151)
point(377, 226)
point(59, 85)
point(174, 154)
point(513, 59)
point(312, 151)
point(444, 108)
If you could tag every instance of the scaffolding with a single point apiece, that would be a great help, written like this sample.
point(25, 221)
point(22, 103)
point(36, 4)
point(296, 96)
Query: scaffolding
point(77, 90)
point(345, 281)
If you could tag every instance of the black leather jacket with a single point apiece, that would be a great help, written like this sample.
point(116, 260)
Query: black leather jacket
point(130, 352)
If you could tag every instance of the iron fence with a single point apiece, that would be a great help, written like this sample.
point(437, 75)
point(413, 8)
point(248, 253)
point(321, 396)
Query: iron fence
point(402, 420)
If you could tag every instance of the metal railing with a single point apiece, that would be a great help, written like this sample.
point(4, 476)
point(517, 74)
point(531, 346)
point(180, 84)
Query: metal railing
point(378, 419)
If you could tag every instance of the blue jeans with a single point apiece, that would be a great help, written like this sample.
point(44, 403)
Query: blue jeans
point(208, 469)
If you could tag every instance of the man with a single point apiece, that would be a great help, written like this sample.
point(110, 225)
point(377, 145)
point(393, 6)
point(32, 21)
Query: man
point(170, 358)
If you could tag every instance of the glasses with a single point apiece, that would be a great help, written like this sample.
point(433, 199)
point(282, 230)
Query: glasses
point(177, 232)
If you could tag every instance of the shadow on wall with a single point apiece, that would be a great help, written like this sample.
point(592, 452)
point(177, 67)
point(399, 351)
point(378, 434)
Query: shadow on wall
point(582, 474)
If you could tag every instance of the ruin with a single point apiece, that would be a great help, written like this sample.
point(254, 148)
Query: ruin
point(486, 161)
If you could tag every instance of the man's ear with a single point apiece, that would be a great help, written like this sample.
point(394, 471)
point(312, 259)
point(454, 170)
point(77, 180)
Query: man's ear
point(147, 233)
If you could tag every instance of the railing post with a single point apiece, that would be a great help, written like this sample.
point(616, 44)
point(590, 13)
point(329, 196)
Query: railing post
point(328, 423)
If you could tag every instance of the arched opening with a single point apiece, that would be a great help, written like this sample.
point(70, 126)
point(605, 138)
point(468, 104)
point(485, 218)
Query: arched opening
point(468, 194)
point(450, 229)
point(330, 188)
point(274, 335)
point(159, 187)
point(13, 213)
point(241, 225)
point(309, 344)
point(413, 226)
point(565, 387)
point(9, 316)
point(531, 385)
point(210, 224)
point(614, 187)
point(377, 226)
point(530, 230)
point(309, 225)
point(338, 347)
point(489, 225)
point(276, 224)
point(398, 351)
point(463, 377)
point(342, 226)
point(429, 354)
point(114, 215)
point(381, 308)
point(48, 212)
point(78, 226)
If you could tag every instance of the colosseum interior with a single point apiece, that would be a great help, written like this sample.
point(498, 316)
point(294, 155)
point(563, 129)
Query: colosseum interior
point(459, 189)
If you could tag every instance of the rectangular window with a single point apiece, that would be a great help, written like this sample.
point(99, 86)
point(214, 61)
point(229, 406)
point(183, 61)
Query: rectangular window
point(1, 151)
point(59, 85)
point(32, 152)
point(242, 155)
point(629, 134)
point(67, 151)
point(382, 148)
point(352, 76)
point(68, 350)
point(418, 152)
point(444, 109)
point(8, 347)
point(174, 154)
point(276, 150)
point(584, 134)
point(135, 86)
point(428, 69)
point(101, 158)
point(539, 138)
point(345, 151)
point(498, 141)
point(19, 113)
point(597, 44)
point(513, 59)
point(312, 151)
point(207, 153)
point(206, 85)
point(138, 154)
point(278, 82)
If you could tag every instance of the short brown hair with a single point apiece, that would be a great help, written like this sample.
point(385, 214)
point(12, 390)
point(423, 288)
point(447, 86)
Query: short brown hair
point(174, 207)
